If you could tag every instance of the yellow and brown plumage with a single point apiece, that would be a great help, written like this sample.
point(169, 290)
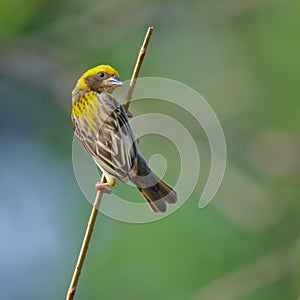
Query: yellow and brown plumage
point(101, 125)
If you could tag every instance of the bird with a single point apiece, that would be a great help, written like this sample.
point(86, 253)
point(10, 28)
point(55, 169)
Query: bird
point(101, 125)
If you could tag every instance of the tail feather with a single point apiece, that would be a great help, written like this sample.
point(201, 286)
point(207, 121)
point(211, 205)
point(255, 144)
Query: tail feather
point(159, 195)
point(156, 192)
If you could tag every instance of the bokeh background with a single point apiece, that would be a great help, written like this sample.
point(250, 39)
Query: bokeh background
point(243, 57)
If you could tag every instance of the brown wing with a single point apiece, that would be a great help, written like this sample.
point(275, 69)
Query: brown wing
point(107, 136)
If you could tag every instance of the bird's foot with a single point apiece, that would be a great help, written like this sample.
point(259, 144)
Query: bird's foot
point(103, 187)
point(129, 114)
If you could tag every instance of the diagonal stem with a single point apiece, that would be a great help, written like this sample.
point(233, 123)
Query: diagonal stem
point(137, 67)
point(85, 243)
point(97, 202)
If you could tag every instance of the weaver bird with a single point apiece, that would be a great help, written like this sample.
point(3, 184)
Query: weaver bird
point(101, 125)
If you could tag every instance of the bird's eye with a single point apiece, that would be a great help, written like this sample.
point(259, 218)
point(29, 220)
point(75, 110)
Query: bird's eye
point(101, 74)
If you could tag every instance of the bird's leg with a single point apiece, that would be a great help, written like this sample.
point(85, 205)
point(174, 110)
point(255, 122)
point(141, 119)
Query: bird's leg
point(103, 187)
point(129, 114)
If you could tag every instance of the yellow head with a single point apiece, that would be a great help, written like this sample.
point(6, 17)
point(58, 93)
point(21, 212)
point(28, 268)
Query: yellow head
point(102, 78)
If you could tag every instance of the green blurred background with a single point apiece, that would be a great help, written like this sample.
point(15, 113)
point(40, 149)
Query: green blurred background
point(243, 57)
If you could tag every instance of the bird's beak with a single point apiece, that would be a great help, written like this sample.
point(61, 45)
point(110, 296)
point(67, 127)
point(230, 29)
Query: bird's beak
point(113, 81)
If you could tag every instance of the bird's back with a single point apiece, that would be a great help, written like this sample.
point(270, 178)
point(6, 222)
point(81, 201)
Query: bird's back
point(102, 126)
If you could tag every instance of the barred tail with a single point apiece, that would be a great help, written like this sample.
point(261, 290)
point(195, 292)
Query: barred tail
point(155, 191)
point(159, 195)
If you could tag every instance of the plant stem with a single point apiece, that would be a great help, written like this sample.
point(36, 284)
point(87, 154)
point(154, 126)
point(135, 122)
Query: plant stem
point(94, 213)
point(137, 67)
point(85, 243)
